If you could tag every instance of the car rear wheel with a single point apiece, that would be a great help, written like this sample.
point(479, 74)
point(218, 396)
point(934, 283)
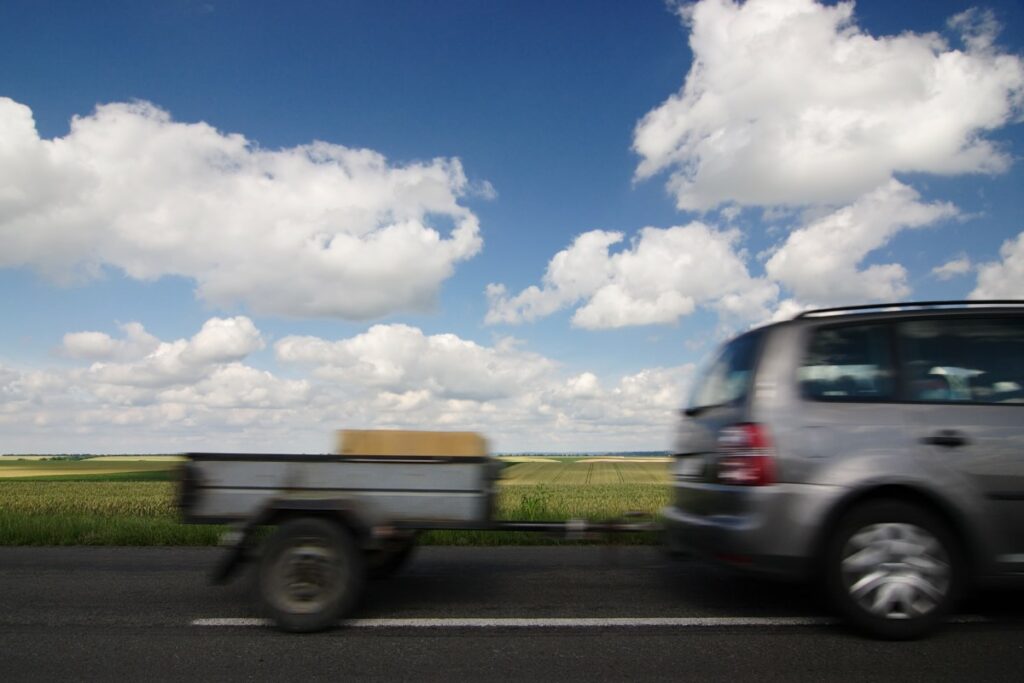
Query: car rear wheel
point(310, 574)
point(893, 569)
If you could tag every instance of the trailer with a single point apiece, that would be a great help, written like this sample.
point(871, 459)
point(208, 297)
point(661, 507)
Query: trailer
point(320, 525)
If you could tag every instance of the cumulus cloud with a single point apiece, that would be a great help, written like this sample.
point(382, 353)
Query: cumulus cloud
point(789, 106)
point(235, 386)
point(663, 275)
point(183, 361)
point(1003, 279)
point(200, 394)
point(398, 358)
point(789, 102)
point(101, 346)
point(152, 395)
point(953, 268)
point(819, 263)
point(787, 309)
point(977, 27)
point(313, 230)
point(397, 376)
point(633, 400)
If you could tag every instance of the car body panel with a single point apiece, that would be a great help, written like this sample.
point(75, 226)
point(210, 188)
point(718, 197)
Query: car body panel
point(834, 451)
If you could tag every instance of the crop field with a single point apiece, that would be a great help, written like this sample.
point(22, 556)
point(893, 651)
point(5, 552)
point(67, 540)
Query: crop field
point(116, 468)
point(586, 472)
point(131, 502)
point(53, 512)
point(137, 458)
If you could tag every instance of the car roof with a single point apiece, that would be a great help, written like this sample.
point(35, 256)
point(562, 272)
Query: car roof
point(903, 309)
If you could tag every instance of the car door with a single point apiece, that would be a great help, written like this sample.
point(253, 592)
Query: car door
point(963, 379)
point(849, 428)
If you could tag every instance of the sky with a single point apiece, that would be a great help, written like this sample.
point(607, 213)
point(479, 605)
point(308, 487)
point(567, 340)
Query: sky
point(241, 226)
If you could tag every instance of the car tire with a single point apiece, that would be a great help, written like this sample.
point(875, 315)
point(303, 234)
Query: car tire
point(893, 569)
point(310, 575)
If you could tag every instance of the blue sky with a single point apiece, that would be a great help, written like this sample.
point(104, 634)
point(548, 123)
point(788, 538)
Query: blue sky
point(269, 221)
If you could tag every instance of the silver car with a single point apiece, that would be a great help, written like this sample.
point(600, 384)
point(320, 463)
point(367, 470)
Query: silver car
point(877, 449)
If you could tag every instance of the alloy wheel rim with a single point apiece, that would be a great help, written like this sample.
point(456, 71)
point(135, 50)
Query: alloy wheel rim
point(896, 570)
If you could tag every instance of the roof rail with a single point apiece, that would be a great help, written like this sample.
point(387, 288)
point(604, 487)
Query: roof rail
point(911, 304)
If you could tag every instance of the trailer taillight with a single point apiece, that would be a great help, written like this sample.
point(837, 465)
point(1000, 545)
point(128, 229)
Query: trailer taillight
point(747, 457)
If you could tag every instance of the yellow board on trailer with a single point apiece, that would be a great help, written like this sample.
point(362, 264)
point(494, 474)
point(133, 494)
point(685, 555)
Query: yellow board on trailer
point(383, 442)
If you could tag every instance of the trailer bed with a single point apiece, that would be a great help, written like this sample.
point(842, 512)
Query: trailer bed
point(412, 490)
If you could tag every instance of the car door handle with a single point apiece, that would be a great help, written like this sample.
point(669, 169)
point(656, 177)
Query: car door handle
point(950, 438)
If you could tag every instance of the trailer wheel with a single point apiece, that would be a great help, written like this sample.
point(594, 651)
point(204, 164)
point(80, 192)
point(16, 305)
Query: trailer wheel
point(384, 562)
point(310, 575)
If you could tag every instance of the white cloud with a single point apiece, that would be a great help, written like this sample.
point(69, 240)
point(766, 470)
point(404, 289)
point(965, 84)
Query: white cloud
point(101, 346)
point(572, 274)
point(188, 393)
point(953, 268)
point(1003, 279)
point(819, 262)
point(391, 376)
point(89, 345)
point(978, 28)
point(183, 361)
point(398, 358)
point(236, 385)
point(221, 341)
point(789, 102)
point(314, 230)
point(787, 309)
point(662, 276)
point(582, 405)
point(789, 106)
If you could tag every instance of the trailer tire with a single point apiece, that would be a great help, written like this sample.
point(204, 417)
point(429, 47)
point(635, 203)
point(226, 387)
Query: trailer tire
point(310, 574)
point(384, 562)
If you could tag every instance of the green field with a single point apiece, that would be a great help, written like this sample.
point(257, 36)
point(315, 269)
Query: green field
point(54, 512)
point(131, 502)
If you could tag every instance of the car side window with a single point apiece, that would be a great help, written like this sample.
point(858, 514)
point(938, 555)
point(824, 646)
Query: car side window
point(848, 363)
point(963, 359)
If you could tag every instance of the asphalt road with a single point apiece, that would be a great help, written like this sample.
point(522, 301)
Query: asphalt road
point(132, 614)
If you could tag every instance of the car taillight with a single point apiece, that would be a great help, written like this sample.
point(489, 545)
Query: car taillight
point(746, 456)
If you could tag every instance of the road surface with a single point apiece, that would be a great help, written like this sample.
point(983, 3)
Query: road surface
point(556, 613)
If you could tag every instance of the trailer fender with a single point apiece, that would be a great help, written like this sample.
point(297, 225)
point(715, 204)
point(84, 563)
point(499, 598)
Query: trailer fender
point(241, 540)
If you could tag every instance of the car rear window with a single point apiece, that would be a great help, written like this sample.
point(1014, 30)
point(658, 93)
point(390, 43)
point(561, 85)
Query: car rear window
point(726, 378)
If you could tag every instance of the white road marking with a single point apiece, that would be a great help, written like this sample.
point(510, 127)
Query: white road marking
point(579, 622)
